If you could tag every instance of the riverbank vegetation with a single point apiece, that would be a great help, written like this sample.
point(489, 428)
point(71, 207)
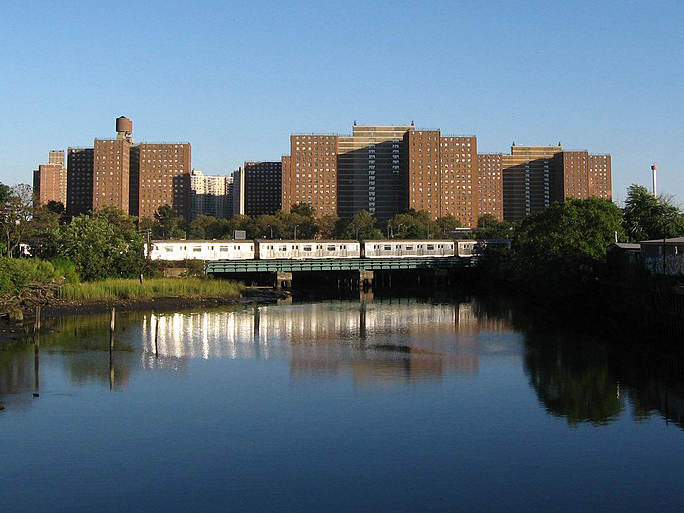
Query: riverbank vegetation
point(559, 251)
point(112, 289)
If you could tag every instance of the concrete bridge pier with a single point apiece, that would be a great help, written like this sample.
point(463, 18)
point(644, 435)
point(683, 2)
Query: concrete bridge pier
point(365, 279)
point(283, 280)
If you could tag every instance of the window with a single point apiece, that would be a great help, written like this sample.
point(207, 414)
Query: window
point(223, 248)
point(197, 249)
point(331, 247)
point(430, 247)
point(307, 248)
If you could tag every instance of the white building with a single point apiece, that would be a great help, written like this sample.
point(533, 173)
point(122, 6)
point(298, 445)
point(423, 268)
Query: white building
point(211, 195)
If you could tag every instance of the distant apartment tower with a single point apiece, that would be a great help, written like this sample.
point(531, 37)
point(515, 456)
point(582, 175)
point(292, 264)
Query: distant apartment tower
point(112, 167)
point(490, 197)
point(50, 180)
point(262, 187)
point(369, 171)
point(311, 173)
point(210, 195)
point(163, 178)
point(536, 176)
point(442, 175)
point(80, 168)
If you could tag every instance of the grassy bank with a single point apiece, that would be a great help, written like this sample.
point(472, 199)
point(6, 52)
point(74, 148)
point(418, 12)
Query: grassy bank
point(150, 289)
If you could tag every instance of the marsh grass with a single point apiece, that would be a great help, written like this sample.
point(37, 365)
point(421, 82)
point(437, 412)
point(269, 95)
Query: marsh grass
point(151, 288)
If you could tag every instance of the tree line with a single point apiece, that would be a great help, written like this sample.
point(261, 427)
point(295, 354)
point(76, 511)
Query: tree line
point(566, 240)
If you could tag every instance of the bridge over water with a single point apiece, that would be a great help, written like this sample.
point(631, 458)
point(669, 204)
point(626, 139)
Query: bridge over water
point(365, 267)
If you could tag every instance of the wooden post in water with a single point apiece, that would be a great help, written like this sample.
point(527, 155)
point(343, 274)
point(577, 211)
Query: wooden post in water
point(36, 329)
point(112, 325)
point(156, 335)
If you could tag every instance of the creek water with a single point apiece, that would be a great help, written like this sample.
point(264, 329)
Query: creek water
point(395, 404)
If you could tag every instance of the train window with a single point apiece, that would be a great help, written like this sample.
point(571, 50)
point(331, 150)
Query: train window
point(168, 249)
point(307, 248)
point(283, 248)
point(197, 249)
point(344, 246)
point(409, 248)
point(430, 247)
point(388, 248)
point(223, 248)
point(331, 248)
point(211, 247)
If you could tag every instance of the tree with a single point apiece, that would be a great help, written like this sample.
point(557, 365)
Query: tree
point(362, 226)
point(207, 227)
point(15, 215)
point(328, 226)
point(102, 246)
point(444, 226)
point(412, 225)
point(647, 217)
point(302, 209)
point(168, 225)
point(489, 227)
point(562, 248)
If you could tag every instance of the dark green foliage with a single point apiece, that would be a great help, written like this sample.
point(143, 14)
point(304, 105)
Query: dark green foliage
point(561, 249)
point(648, 217)
point(488, 227)
point(105, 245)
point(17, 274)
point(361, 226)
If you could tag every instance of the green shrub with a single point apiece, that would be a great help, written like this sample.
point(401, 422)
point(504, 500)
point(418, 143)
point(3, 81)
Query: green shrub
point(67, 269)
point(18, 273)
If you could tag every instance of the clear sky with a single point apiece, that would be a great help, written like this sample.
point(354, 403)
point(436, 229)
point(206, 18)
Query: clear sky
point(235, 79)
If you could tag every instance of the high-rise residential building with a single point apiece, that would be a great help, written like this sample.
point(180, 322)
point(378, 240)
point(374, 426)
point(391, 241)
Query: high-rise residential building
point(111, 178)
point(490, 197)
point(80, 167)
point(536, 176)
point(442, 175)
point(210, 195)
point(581, 175)
point(262, 187)
point(369, 171)
point(50, 180)
point(163, 177)
point(56, 157)
point(312, 173)
point(528, 179)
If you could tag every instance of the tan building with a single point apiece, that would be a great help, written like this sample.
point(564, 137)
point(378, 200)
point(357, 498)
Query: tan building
point(442, 175)
point(163, 178)
point(112, 167)
point(312, 176)
point(369, 171)
point(50, 180)
point(536, 176)
point(490, 197)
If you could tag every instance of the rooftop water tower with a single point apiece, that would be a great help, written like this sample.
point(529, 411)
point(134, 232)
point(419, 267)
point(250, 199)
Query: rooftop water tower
point(124, 128)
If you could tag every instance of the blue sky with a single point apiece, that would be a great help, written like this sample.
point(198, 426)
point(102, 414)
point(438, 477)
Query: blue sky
point(237, 78)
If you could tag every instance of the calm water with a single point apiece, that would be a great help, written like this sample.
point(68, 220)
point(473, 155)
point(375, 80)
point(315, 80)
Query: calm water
point(385, 405)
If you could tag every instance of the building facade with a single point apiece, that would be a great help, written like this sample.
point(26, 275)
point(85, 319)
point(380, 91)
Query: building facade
point(312, 173)
point(210, 195)
point(442, 175)
point(163, 178)
point(369, 171)
point(80, 169)
point(490, 197)
point(49, 184)
point(262, 184)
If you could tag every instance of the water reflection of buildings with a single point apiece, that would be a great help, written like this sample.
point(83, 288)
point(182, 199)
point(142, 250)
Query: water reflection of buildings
point(385, 340)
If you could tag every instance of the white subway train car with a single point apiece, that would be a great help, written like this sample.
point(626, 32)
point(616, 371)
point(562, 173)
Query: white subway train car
point(177, 250)
point(408, 248)
point(305, 249)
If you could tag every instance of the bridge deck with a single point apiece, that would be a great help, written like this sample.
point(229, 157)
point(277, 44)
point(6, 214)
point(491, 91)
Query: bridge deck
point(338, 264)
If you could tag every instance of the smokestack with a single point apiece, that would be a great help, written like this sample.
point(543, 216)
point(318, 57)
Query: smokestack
point(654, 169)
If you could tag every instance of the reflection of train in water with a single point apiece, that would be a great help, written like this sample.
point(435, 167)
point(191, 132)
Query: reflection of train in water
point(266, 249)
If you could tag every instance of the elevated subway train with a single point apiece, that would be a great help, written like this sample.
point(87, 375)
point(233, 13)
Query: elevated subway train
point(266, 249)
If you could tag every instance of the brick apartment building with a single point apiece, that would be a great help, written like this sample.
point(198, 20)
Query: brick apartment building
point(50, 180)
